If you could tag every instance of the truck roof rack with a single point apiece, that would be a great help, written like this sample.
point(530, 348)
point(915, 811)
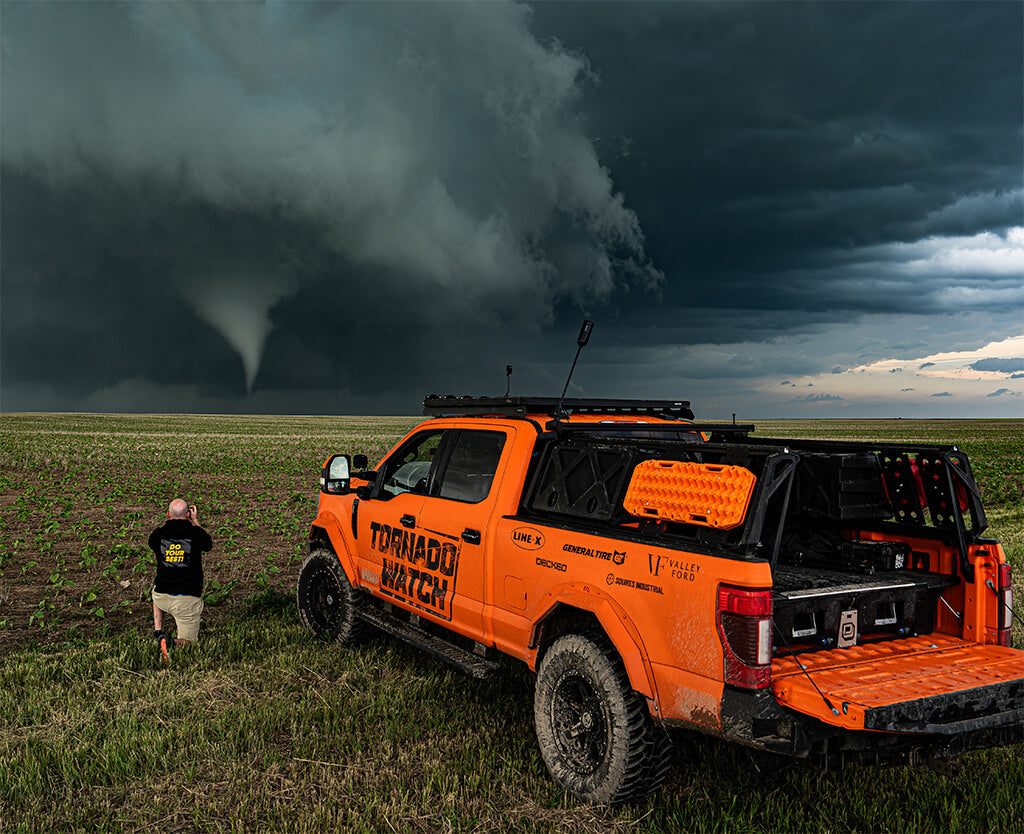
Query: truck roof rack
point(716, 430)
point(452, 406)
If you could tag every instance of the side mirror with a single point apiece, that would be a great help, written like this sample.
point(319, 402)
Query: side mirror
point(359, 462)
point(334, 477)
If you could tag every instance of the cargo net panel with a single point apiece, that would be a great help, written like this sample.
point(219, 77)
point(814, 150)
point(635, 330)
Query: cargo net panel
point(706, 494)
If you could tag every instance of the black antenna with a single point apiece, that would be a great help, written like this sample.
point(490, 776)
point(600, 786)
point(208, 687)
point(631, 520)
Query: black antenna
point(581, 341)
point(508, 379)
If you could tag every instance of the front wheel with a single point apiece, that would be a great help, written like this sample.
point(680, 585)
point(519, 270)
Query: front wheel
point(327, 601)
point(594, 731)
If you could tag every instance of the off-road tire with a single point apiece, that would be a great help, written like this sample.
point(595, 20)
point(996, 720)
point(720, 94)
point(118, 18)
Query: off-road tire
point(595, 733)
point(327, 601)
point(659, 762)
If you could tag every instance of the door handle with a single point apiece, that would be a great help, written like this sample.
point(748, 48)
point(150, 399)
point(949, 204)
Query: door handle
point(408, 520)
point(471, 536)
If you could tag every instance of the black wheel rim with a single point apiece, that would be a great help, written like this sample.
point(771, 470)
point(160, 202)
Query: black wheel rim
point(580, 724)
point(325, 603)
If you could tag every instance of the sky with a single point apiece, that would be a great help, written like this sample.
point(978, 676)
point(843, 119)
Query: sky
point(772, 209)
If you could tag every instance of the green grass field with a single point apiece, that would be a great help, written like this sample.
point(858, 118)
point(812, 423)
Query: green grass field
point(262, 728)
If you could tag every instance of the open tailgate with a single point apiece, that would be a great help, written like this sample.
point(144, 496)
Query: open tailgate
point(934, 684)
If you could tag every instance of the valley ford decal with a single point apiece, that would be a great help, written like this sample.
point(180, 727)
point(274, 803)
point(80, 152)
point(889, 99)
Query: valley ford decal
point(418, 570)
point(615, 556)
point(528, 538)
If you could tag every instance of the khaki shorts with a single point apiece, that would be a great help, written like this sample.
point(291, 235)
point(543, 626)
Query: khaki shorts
point(186, 611)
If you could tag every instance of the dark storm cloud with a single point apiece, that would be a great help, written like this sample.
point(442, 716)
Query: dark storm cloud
point(391, 167)
point(818, 398)
point(804, 141)
point(1006, 366)
point(304, 207)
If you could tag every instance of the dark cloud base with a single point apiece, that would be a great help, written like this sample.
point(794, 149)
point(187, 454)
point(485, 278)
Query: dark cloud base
point(384, 201)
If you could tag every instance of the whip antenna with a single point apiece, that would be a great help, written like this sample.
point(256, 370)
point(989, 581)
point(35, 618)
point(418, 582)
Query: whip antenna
point(581, 341)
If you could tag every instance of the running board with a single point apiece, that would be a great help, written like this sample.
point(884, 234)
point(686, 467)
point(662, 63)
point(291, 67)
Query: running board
point(465, 661)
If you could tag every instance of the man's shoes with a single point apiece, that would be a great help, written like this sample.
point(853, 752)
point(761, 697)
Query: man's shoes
point(164, 642)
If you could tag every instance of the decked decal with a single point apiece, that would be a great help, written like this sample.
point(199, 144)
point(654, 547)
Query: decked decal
point(418, 570)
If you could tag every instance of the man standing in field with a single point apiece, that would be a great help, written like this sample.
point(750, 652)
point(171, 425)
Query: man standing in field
point(179, 545)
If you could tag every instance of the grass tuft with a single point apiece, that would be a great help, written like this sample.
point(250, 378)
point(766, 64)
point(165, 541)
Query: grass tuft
point(261, 727)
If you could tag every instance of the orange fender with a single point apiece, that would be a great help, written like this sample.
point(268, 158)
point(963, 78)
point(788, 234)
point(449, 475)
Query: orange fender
point(616, 623)
point(330, 524)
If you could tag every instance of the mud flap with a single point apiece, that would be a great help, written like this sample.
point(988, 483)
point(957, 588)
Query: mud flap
point(935, 684)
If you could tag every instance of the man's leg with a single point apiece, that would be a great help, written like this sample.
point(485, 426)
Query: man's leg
point(163, 641)
point(187, 612)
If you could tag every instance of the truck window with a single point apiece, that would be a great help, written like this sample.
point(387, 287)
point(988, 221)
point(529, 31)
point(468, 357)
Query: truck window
point(471, 466)
point(408, 469)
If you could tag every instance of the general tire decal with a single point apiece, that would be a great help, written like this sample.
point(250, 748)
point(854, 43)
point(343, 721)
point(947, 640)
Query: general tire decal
point(615, 556)
point(418, 570)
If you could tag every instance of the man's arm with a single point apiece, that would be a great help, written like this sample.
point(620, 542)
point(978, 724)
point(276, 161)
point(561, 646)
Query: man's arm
point(202, 538)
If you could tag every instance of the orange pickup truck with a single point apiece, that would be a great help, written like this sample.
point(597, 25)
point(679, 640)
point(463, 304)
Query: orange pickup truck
point(832, 601)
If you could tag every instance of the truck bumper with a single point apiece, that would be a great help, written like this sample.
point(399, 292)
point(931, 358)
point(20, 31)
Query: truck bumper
point(899, 702)
point(756, 719)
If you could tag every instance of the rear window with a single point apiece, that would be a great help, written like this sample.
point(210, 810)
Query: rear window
point(471, 466)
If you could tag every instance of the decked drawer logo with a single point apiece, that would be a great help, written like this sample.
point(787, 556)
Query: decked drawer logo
point(848, 629)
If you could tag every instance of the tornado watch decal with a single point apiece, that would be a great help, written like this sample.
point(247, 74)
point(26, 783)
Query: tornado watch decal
point(418, 570)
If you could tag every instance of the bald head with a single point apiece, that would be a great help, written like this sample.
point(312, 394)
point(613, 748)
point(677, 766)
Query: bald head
point(177, 509)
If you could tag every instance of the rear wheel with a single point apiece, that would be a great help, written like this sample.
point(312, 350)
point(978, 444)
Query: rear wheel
point(595, 733)
point(327, 601)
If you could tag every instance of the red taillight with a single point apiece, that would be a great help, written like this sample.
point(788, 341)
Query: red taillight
point(745, 626)
point(1005, 594)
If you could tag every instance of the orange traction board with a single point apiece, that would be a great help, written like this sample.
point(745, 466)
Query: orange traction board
point(934, 684)
point(708, 494)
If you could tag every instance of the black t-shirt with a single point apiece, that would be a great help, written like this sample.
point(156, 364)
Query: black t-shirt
point(179, 546)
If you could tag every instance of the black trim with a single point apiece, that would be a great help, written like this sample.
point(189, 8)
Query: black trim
point(952, 713)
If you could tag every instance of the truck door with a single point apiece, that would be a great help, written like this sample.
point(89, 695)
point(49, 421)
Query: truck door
point(455, 516)
point(386, 521)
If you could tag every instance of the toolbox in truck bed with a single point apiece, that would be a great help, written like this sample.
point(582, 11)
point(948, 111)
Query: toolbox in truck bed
point(816, 607)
